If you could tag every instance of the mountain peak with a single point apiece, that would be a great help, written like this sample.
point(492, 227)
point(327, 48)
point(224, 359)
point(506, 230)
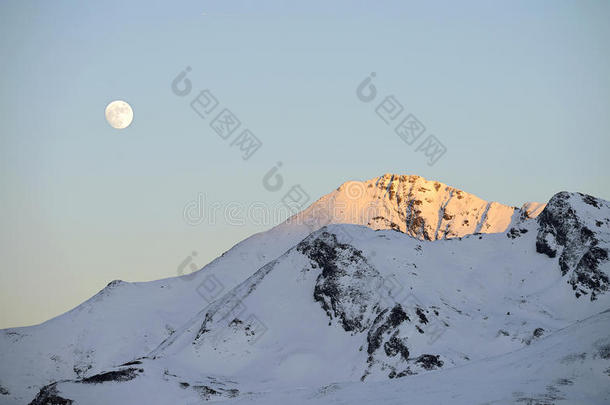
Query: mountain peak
point(411, 204)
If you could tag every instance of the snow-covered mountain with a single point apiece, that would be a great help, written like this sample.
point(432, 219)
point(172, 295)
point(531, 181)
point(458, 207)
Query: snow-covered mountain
point(467, 293)
point(421, 208)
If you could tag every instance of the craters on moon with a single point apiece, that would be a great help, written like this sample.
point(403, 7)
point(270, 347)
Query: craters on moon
point(119, 114)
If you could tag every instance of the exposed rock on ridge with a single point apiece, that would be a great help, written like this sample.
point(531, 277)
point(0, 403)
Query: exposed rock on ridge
point(424, 209)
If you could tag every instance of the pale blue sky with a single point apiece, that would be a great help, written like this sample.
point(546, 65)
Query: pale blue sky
point(517, 91)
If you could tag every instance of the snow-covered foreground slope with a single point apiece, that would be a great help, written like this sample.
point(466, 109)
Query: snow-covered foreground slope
point(570, 366)
point(481, 319)
point(347, 303)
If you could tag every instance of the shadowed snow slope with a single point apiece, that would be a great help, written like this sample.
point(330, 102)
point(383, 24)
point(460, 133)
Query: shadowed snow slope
point(290, 308)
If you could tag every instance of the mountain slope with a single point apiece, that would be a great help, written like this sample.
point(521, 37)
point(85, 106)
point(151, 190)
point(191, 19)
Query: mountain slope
point(169, 318)
point(124, 320)
point(352, 304)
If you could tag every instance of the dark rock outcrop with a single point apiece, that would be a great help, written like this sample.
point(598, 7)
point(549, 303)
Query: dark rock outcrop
point(346, 287)
point(125, 374)
point(350, 290)
point(48, 395)
point(570, 228)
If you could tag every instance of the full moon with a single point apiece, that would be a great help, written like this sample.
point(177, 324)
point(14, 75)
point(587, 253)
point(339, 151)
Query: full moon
point(119, 114)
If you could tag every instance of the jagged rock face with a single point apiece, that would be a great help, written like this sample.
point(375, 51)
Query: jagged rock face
point(424, 209)
point(345, 287)
point(388, 340)
point(576, 227)
point(350, 290)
